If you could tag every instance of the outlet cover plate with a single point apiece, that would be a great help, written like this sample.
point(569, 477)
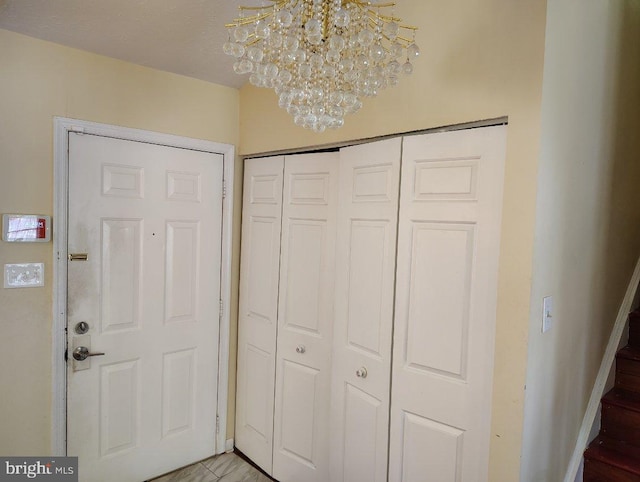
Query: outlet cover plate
point(24, 275)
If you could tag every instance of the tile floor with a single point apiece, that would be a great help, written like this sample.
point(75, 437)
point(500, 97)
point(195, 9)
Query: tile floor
point(222, 468)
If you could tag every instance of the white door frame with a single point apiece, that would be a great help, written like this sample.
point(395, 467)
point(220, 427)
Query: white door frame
point(62, 127)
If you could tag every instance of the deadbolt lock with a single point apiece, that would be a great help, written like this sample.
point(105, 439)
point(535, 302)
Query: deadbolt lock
point(81, 328)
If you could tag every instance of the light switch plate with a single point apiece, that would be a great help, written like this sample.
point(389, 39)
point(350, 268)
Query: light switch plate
point(547, 313)
point(24, 275)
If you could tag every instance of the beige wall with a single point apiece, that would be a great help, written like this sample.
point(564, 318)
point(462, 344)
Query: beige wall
point(480, 59)
point(587, 236)
point(40, 80)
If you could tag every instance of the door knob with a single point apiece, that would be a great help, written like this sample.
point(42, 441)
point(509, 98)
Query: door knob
point(82, 353)
point(361, 372)
point(300, 349)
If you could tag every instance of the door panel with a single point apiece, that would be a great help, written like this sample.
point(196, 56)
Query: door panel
point(305, 318)
point(430, 448)
point(149, 292)
point(297, 411)
point(368, 241)
point(361, 435)
point(439, 305)
point(307, 240)
point(181, 281)
point(178, 391)
point(120, 406)
point(257, 323)
point(365, 277)
point(448, 246)
point(121, 269)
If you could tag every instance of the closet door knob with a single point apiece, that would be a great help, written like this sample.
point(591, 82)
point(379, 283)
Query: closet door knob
point(361, 372)
point(300, 349)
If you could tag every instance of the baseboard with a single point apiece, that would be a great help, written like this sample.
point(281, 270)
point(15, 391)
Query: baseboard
point(228, 446)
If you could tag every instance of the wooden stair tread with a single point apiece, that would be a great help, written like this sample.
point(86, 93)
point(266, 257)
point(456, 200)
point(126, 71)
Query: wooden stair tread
point(623, 399)
point(615, 453)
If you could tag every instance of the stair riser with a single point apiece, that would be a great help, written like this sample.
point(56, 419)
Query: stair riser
point(621, 424)
point(596, 471)
point(634, 330)
point(628, 382)
point(625, 365)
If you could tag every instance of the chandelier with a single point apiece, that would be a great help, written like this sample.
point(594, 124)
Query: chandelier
point(321, 56)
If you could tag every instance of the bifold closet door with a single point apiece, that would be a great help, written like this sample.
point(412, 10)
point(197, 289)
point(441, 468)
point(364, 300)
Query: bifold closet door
point(305, 318)
point(447, 265)
point(365, 272)
point(257, 315)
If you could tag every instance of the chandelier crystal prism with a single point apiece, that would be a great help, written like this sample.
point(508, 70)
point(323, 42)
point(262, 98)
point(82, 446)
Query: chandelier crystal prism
point(322, 57)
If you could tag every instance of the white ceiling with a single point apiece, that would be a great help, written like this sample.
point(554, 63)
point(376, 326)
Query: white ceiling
point(180, 36)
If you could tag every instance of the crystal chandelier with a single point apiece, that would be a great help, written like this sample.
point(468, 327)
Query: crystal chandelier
point(321, 56)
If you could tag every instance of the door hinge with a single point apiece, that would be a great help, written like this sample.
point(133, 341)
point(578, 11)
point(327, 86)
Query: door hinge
point(221, 310)
point(224, 189)
point(217, 423)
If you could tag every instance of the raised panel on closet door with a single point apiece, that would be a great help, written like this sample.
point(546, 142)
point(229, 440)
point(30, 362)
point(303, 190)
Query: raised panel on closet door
point(447, 265)
point(257, 316)
point(365, 271)
point(305, 318)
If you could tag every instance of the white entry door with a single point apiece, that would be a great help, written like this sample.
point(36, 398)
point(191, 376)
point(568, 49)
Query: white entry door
point(144, 241)
point(364, 288)
point(447, 267)
point(305, 318)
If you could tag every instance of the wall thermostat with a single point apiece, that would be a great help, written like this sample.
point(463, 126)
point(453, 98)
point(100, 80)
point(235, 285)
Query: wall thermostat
point(26, 228)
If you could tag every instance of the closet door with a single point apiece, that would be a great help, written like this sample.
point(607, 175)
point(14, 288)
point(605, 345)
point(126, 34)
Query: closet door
point(257, 323)
point(365, 267)
point(448, 246)
point(305, 318)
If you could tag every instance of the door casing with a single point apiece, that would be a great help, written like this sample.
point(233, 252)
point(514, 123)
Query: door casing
point(62, 127)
